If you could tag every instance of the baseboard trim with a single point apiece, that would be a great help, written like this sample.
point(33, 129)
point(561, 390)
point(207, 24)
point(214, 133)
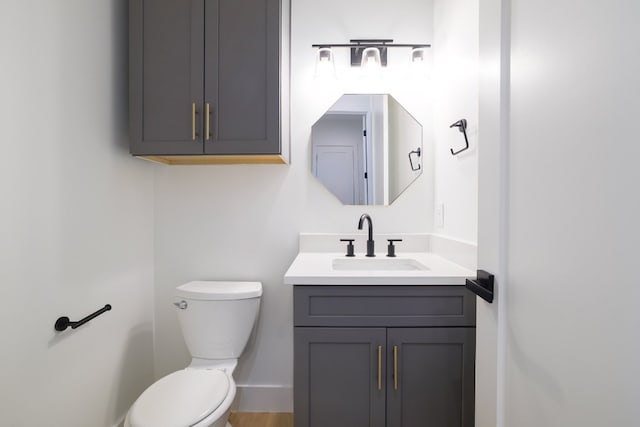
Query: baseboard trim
point(263, 398)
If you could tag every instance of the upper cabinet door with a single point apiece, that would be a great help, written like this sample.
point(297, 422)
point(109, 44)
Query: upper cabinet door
point(242, 76)
point(167, 45)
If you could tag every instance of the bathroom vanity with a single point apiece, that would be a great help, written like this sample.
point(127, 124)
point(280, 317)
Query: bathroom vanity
point(382, 341)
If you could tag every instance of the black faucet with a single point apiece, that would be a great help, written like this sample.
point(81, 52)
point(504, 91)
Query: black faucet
point(370, 242)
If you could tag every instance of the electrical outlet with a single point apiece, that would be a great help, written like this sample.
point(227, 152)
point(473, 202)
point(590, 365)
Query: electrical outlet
point(439, 216)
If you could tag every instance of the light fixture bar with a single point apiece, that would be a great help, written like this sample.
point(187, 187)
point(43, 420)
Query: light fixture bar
point(370, 44)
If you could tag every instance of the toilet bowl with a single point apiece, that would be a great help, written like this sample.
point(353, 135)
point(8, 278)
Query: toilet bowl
point(216, 319)
point(190, 397)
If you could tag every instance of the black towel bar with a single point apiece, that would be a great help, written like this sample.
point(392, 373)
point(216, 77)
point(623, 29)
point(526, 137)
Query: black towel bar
point(63, 322)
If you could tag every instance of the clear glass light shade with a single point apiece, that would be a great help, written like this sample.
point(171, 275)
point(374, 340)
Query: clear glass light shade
point(325, 64)
point(371, 60)
point(418, 55)
point(418, 62)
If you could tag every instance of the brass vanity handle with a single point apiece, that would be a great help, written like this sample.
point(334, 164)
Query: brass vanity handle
point(207, 115)
point(395, 367)
point(379, 367)
point(193, 121)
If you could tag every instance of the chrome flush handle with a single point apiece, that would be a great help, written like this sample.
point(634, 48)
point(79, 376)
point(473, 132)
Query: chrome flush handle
point(182, 305)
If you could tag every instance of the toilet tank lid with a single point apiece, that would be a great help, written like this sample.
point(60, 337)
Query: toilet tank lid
point(219, 290)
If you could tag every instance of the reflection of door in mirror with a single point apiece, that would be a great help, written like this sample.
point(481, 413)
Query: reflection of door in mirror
point(339, 155)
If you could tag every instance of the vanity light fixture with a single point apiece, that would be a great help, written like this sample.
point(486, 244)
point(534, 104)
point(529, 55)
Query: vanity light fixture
point(368, 52)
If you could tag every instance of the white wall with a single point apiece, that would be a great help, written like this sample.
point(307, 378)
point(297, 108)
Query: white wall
point(76, 223)
point(242, 221)
point(572, 300)
point(455, 71)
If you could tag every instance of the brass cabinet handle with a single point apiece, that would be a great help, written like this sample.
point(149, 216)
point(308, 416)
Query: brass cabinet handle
point(207, 115)
point(395, 367)
point(379, 367)
point(194, 111)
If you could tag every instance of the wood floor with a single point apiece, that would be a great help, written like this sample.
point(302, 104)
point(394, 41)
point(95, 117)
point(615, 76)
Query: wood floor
point(261, 419)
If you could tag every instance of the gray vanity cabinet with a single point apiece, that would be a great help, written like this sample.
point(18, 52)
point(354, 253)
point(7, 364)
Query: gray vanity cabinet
point(376, 356)
point(204, 77)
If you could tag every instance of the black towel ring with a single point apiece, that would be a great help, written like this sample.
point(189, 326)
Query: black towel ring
point(462, 127)
point(418, 152)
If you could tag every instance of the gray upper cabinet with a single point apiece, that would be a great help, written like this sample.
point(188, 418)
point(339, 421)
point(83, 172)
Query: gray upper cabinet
point(205, 77)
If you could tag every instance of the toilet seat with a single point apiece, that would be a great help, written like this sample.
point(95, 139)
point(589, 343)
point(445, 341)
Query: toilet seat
point(183, 398)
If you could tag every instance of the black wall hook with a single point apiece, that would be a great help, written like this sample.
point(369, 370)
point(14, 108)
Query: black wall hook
point(63, 322)
point(462, 127)
point(418, 152)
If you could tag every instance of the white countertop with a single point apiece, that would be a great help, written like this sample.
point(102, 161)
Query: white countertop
point(316, 268)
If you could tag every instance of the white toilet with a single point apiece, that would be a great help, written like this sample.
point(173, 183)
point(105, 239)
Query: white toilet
point(216, 319)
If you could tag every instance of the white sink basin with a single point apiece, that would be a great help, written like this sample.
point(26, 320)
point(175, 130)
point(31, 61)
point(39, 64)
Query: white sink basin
point(377, 264)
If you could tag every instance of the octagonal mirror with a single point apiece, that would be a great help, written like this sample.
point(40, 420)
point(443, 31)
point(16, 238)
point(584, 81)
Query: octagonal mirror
point(366, 149)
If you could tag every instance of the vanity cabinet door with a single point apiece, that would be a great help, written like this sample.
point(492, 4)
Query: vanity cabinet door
point(336, 377)
point(431, 381)
point(166, 76)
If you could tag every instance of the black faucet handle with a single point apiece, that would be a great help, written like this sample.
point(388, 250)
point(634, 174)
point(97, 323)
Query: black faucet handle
point(350, 251)
point(391, 249)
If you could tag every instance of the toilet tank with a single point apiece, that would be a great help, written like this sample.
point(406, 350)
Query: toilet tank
point(216, 318)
